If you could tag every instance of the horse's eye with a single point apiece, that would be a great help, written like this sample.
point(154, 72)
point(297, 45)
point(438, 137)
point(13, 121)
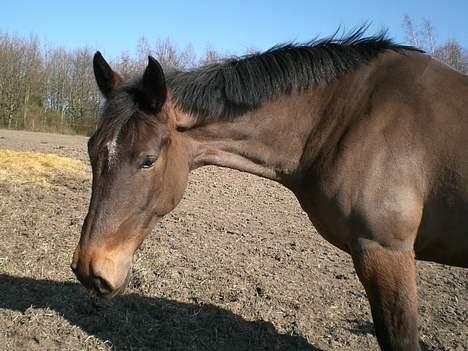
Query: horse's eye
point(149, 161)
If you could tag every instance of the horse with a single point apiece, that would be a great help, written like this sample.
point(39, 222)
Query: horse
point(370, 135)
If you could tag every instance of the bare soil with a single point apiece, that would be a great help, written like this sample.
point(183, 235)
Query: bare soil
point(237, 266)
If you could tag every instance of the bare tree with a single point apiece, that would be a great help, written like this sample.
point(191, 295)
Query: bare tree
point(423, 37)
point(429, 35)
point(126, 65)
point(211, 56)
point(143, 50)
point(19, 60)
point(411, 32)
point(452, 54)
point(166, 52)
point(84, 98)
point(188, 58)
point(57, 85)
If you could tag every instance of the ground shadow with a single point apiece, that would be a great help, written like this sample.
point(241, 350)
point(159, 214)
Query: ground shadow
point(138, 322)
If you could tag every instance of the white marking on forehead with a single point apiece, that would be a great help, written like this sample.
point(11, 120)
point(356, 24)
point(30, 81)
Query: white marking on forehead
point(112, 151)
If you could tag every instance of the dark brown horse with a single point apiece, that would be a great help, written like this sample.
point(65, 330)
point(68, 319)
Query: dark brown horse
point(372, 138)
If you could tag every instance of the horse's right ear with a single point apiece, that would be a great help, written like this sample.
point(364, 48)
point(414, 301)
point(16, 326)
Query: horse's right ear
point(106, 79)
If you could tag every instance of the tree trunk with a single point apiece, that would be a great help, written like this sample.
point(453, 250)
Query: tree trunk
point(26, 105)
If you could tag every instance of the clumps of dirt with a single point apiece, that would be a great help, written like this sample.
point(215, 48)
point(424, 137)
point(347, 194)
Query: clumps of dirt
point(40, 168)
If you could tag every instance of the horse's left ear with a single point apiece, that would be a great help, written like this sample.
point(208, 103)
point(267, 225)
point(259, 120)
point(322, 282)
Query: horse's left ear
point(106, 79)
point(154, 86)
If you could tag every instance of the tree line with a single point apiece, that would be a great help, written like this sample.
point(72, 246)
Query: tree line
point(53, 89)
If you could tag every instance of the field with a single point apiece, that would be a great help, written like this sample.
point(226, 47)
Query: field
point(237, 266)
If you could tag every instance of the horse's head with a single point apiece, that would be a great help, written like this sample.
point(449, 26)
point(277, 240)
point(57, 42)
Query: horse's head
point(140, 168)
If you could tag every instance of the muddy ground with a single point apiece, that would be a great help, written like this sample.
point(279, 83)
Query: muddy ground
point(237, 266)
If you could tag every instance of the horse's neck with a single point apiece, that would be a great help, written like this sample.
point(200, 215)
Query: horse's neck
point(270, 142)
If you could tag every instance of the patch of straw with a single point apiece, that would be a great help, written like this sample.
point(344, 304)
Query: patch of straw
point(34, 167)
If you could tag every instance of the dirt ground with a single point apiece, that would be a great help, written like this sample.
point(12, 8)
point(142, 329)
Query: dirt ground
point(237, 266)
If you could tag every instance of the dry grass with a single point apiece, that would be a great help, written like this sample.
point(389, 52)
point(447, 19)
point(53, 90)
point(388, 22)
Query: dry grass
point(33, 167)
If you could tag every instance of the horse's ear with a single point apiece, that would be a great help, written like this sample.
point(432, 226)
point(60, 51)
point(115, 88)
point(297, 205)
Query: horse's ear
point(154, 86)
point(106, 79)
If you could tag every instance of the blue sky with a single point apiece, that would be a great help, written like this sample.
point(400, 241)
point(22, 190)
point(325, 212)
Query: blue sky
point(228, 26)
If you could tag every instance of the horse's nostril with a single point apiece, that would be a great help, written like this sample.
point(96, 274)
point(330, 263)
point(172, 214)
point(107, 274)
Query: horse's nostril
point(102, 286)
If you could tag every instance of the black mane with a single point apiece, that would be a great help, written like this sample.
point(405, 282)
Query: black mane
point(234, 86)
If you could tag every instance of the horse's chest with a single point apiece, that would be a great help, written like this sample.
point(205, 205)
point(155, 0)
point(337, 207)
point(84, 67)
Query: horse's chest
point(325, 217)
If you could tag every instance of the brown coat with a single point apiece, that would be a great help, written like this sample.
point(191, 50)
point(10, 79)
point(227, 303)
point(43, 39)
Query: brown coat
point(371, 137)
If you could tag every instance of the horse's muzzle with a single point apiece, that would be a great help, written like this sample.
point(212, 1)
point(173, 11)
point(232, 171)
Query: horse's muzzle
point(105, 274)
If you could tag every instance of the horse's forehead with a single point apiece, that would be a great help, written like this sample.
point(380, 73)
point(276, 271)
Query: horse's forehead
point(104, 148)
point(118, 145)
point(112, 151)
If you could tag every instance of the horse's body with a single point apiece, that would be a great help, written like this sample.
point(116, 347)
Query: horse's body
point(370, 136)
point(398, 163)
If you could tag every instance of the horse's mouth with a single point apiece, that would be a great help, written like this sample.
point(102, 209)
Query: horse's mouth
point(108, 292)
point(121, 289)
